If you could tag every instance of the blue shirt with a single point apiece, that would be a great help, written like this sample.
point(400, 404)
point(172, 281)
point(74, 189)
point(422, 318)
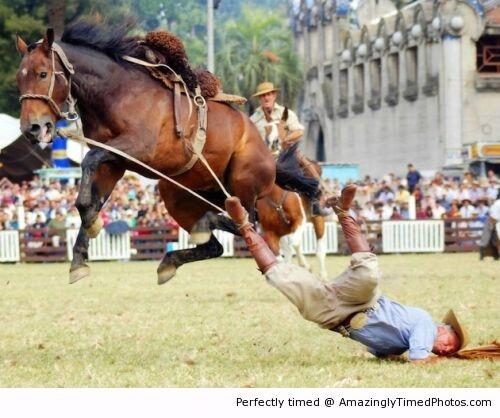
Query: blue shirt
point(393, 328)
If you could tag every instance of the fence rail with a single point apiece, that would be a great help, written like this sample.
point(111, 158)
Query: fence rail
point(9, 246)
point(412, 236)
point(102, 247)
point(44, 245)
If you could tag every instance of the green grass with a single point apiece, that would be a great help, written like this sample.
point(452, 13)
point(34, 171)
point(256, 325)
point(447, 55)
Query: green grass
point(219, 324)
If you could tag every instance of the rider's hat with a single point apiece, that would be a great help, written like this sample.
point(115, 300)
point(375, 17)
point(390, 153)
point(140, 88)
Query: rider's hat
point(452, 320)
point(263, 88)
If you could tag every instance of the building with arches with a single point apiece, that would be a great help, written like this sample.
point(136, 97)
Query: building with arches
point(384, 87)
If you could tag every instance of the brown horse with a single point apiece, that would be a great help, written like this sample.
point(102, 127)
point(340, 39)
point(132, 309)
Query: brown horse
point(123, 106)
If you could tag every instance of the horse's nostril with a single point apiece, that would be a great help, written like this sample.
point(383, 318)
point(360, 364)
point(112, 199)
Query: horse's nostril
point(34, 129)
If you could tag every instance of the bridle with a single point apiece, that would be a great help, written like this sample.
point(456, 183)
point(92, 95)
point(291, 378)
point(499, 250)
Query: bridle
point(71, 114)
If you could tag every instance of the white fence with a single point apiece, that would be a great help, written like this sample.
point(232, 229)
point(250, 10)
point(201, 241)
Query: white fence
point(9, 246)
point(225, 238)
point(103, 247)
point(412, 236)
point(308, 244)
point(397, 237)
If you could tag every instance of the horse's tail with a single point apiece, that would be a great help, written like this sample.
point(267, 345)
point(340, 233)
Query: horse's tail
point(289, 174)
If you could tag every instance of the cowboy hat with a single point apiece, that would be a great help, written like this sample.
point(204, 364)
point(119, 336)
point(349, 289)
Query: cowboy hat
point(452, 320)
point(265, 87)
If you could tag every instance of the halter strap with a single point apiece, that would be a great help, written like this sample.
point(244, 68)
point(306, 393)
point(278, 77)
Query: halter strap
point(71, 113)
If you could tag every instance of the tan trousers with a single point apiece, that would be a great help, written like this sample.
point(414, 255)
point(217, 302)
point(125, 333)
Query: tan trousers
point(328, 304)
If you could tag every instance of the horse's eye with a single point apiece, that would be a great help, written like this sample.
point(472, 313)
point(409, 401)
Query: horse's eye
point(43, 74)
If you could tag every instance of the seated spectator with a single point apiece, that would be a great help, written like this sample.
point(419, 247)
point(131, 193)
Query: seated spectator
point(453, 212)
point(57, 228)
point(402, 195)
point(421, 213)
point(467, 211)
point(396, 216)
point(438, 211)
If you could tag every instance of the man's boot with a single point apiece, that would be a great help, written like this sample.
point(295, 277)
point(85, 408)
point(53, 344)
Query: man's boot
point(261, 252)
point(356, 240)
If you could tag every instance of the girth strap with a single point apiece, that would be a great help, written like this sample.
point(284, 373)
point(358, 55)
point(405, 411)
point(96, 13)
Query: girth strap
point(279, 207)
point(177, 110)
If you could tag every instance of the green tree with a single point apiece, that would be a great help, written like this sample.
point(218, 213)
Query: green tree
point(27, 19)
point(258, 47)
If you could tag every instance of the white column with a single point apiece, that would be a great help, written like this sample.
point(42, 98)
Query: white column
point(451, 103)
point(210, 35)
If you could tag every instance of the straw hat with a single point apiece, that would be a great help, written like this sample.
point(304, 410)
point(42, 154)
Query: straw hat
point(263, 88)
point(452, 320)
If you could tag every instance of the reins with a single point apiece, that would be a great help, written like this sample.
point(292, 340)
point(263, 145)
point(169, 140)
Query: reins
point(72, 115)
point(68, 133)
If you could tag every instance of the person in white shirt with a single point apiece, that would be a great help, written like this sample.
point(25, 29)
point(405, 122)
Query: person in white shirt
point(467, 210)
point(490, 244)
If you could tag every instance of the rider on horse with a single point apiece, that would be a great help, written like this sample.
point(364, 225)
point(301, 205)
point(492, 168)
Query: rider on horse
point(279, 127)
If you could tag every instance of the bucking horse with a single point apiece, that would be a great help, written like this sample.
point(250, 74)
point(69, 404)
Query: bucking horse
point(122, 105)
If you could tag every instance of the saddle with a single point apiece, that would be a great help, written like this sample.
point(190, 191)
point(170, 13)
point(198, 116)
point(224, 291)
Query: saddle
point(162, 47)
point(164, 55)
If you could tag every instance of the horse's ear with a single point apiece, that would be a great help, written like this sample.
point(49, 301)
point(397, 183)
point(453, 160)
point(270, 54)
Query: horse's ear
point(21, 46)
point(48, 40)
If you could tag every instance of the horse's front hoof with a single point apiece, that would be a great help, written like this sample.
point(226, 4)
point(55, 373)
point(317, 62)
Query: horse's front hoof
point(95, 228)
point(79, 273)
point(165, 273)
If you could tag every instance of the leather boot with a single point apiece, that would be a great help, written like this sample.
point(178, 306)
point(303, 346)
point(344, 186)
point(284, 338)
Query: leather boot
point(356, 240)
point(261, 252)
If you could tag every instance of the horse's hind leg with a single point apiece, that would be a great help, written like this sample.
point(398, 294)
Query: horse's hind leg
point(174, 259)
point(319, 230)
point(99, 177)
point(186, 210)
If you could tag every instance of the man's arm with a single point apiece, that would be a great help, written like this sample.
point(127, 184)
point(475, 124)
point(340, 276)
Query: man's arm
point(294, 135)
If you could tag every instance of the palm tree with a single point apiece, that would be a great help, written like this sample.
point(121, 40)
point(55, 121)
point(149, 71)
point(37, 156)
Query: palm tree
point(258, 47)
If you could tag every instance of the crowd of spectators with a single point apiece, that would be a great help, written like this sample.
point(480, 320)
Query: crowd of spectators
point(51, 204)
point(436, 197)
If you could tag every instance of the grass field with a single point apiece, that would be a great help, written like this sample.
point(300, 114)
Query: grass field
point(219, 324)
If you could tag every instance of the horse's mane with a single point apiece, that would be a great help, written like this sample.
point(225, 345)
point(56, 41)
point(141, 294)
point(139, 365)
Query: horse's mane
point(113, 41)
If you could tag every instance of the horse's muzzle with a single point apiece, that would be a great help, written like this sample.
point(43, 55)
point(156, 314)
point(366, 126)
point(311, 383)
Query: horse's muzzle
point(42, 130)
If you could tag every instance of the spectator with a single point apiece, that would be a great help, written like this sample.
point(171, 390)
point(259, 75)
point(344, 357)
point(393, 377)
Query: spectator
point(396, 216)
point(438, 211)
point(467, 211)
point(402, 195)
point(57, 228)
point(454, 212)
point(413, 177)
point(421, 213)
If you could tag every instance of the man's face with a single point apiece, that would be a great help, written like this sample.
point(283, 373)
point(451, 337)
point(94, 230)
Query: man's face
point(267, 100)
point(446, 342)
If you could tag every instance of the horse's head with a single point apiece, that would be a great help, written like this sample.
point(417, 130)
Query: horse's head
point(43, 88)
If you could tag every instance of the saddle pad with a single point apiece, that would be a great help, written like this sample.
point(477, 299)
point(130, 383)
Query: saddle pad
point(228, 98)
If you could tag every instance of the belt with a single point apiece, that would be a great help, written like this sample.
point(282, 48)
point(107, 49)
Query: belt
point(345, 327)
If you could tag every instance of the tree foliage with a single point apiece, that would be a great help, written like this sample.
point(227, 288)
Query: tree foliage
point(243, 35)
point(258, 47)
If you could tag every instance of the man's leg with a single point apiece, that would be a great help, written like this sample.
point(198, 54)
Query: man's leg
point(357, 287)
point(356, 240)
point(313, 298)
